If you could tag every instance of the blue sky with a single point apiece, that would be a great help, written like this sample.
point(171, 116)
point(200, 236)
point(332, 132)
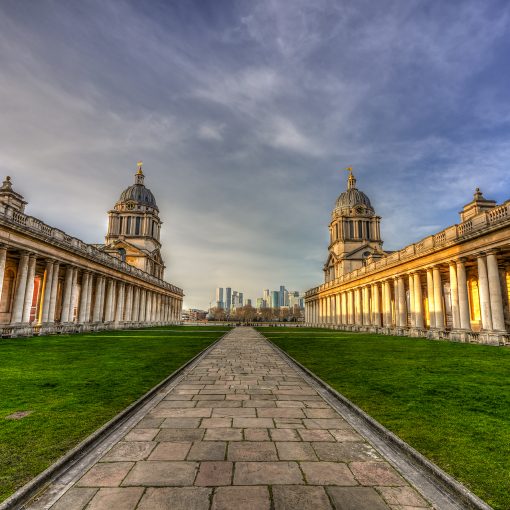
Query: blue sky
point(245, 112)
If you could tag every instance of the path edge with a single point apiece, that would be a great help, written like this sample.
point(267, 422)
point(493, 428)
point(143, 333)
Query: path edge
point(447, 483)
point(35, 486)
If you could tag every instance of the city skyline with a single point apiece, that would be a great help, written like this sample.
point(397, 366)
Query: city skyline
point(245, 117)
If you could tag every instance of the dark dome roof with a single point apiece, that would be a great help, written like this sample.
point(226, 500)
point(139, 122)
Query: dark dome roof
point(353, 197)
point(138, 193)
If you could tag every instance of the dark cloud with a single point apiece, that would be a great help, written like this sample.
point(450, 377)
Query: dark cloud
point(244, 114)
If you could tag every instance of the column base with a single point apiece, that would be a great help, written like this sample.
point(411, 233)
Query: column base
point(494, 337)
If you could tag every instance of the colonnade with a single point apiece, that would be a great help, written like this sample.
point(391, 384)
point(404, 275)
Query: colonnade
point(464, 299)
point(46, 295)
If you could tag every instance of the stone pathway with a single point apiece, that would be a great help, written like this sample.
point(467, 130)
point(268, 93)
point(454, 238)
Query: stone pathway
point(244, 431)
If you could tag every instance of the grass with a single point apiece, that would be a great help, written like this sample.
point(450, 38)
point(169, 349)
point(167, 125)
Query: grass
point(450, 401)
point(76, 383)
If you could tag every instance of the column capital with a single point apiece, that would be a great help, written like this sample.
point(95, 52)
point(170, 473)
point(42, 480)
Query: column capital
point(492, 251)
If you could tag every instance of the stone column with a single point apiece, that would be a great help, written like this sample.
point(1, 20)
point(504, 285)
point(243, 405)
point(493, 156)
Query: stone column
point(465, 320)
point(74, 295)
point(66, 296)
point(54, 293)
point(454, 296)
point(438, 298)
point(350, 306)
point(82, 311)
point(402, 304)
point(110, 289)
point(96, 312)
point(21, 285)
point(136, 305)
point(148, 306)
point(29, 290)
point(143, 304)
point(332, 318)
point(376, 298)
point(327, 304)
point(412, 313)
point(496, 298)
point(3, 259)
point(88, 304)
point(357, 307)
point(388, 322)
point(418, 301)
point(119, 309)
point(47, 284)
point(430, 298)
point(483, 284)
point(128, 316)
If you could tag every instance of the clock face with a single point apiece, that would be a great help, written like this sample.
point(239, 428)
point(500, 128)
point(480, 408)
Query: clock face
point(359, 210)
point(130, 206)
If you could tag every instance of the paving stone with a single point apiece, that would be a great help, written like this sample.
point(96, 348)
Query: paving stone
point(315, 435)
point(327, 473)
point(325, 423)
point(295, 451)
point(182, 498)
point(211, 423)
point(105, 474)
point(207, 450)
point(180, 435)
point(284, 435)
point(290, 403)
point(170, 451)
point(223, 434)
point(149, 423)
point(376, 473)
point(107, 499)
point(245, 498)
point(356, 498)
point(174, 396)
point(160, 473)
point(259, 403)
point(180, 423)
point(252, 451)
point(132, 450)
point(405, 496)
point(344, 452)
point(219, 403)
point(209, 397)
point(214, 473)
point(345, 435)
point(171, 404)
point(196, 412)
point(141, 435)
point(256, 435)
point(280, 412)
point(292, 497)
point(320, 413)
point(267, 473)
point(75, 499)
point(253, 423)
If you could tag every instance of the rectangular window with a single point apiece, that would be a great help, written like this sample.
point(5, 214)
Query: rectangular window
point(137, 225)
point(128, 227)
point(351, 230)
point(120, 225)
point(360, 229)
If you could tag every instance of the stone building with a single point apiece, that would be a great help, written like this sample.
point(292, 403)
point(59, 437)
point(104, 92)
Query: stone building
point(51, 282)
point(454, 284)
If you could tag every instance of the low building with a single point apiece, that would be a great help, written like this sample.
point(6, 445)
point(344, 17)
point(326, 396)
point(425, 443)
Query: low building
point(453, 284)
point(51, 282)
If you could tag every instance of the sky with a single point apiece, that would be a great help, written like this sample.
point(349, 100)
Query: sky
point(245, 114)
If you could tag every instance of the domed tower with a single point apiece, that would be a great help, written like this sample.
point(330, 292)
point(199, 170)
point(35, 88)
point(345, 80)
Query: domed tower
point(354, 232)
point(134, 228)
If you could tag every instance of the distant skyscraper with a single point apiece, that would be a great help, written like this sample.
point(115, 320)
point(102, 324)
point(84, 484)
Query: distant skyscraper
point(275, 299)
point(267, 298)
point(281, 296)
point(248, 302)
point(260, 303)
point(219, 298)
point(228, 298)
point(241, 297)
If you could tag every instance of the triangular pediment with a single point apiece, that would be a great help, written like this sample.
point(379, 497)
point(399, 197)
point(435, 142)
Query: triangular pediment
point(362, 252)
point(131, 249)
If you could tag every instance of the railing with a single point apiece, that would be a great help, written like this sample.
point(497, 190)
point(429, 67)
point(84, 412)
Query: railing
point(437, 241)
point(56, 236)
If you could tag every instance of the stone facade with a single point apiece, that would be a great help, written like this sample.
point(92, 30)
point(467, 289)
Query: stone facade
point(51, 282)
point(452, 285)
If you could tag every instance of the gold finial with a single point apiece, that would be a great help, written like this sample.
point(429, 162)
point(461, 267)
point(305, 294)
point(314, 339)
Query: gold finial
point(351, 181)
point(139, 165)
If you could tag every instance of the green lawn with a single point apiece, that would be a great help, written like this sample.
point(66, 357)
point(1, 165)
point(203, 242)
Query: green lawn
point(450, 401)
point(76, 383)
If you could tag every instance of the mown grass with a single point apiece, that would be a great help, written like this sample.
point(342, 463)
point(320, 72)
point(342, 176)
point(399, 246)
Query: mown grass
point(450, 401)
point(76, 383)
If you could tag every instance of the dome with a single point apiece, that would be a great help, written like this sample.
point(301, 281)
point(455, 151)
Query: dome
point(353, 197)
point(138, 193)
